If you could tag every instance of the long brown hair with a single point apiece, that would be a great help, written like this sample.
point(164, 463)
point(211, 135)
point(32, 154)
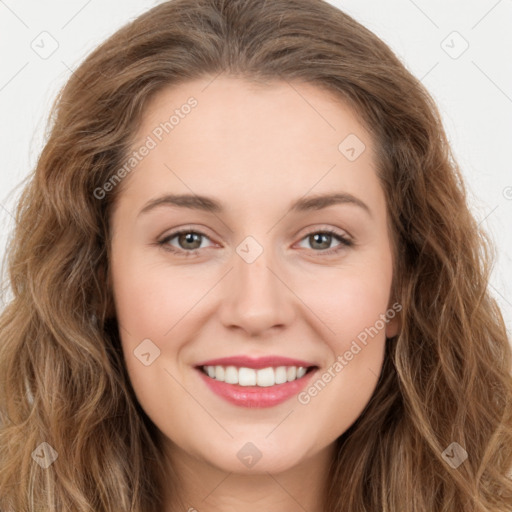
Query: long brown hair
point(446, 376)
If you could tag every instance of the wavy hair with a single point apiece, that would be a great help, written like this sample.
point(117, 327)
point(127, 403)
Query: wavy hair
point(446, 375)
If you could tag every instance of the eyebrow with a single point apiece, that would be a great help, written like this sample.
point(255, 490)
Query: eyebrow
point(209, 204)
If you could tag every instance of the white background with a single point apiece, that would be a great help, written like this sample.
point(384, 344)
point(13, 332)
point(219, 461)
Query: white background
point(473, 90)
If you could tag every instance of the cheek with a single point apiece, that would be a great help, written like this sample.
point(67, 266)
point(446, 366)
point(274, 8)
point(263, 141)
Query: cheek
point(148, 305)
point(352, 305)
point(351, 300)
point(340, 393)
point(148, 299)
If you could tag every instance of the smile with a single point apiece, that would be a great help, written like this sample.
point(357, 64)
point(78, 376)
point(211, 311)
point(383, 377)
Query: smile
point(256, 382)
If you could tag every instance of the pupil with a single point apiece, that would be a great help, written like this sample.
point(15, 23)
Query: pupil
point(189, 238)
point(326, 244)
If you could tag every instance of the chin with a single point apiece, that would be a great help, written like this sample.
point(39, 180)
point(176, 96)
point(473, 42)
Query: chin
point(270, 462)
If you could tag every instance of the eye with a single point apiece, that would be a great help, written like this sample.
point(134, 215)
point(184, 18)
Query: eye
point(324, 238)
point(190, 241)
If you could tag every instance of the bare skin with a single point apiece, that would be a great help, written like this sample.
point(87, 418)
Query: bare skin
point(255, 150)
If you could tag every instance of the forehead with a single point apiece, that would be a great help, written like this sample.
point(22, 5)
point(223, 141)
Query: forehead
point(278, 139)
point(240, 111)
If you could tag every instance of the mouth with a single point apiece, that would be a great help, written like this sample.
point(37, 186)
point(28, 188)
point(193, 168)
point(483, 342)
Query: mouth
point(263, 377)
point(256, 383)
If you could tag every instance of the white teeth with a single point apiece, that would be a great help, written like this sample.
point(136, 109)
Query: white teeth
point(231, 375)
point(219, 373)
point(291, 373)
point(263, 377)
point(246, 377)
point(281, 375)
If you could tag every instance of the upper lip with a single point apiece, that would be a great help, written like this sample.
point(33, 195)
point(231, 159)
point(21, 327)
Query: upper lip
point(256, 362)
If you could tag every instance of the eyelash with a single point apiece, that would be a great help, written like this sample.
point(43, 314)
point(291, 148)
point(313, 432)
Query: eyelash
point(344, 242)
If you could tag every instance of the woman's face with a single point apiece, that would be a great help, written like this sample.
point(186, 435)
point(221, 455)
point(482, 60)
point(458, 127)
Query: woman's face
point(255, 276)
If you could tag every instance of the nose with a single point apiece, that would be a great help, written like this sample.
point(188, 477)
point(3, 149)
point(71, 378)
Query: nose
point(256, 297)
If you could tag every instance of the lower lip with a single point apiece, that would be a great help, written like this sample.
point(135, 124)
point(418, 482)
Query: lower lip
point(255, 396)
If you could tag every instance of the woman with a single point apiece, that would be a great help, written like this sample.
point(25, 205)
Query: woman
point(258, 370)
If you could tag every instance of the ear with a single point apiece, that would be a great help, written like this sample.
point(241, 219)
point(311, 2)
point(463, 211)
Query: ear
point(394, 325)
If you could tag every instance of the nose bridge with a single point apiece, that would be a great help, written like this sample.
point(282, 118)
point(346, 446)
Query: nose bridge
point(254, 280)
point(256, 297)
